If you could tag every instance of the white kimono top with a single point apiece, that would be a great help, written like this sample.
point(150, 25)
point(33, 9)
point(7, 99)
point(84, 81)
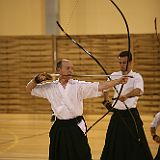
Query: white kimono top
point(67, 103)
point(156, 121)
point(135, 82)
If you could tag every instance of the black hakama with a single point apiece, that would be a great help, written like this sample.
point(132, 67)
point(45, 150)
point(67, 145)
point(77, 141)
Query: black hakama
point(158, 154)
point(68, 142)
point(121, 138)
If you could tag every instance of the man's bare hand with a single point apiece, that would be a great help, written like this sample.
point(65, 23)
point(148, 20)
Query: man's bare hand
point(123, 98)
point(123, 80)
point(156, 138)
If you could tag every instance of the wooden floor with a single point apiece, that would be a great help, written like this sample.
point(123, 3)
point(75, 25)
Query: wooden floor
point(25, 136)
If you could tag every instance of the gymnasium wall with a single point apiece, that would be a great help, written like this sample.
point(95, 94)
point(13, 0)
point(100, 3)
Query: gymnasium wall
point(24, 56)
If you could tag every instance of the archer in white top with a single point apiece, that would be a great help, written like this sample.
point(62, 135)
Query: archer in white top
point(65, 94)
point(67, 103)
point(156, 121)
point(127, 94)
point(154, 125)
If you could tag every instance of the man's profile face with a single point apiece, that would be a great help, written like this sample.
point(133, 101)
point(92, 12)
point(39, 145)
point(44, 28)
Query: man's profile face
point(123, 63)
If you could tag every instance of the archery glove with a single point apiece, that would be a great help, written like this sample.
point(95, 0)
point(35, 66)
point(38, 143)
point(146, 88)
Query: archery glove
point(108, 105)
point(42, 77)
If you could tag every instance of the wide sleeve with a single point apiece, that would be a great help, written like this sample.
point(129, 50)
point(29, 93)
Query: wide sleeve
point(139, 83)
point(41, 90)
point(89, 89)
point(156, 121)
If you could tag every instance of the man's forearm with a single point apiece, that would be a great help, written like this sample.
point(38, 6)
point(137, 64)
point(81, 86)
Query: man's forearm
point(106, 95)
point(133, 93)
point(108, 84)
point(32, 84)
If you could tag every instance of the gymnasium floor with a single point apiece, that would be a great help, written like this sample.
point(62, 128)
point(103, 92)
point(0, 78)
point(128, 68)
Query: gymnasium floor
point(25, 136)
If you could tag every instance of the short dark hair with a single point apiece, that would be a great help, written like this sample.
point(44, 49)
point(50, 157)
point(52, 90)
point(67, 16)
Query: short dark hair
point(126, 54)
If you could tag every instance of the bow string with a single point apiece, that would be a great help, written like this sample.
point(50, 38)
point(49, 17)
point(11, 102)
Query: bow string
point(100, 65)
point(86, 51)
